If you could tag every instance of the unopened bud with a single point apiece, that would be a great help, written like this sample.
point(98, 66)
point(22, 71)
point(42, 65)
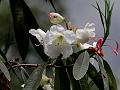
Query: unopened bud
point(56, 18)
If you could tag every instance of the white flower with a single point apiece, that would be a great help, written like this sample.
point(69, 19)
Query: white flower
point(58, 41)
point(83, 35)
point(56, 18)
point(39, 34)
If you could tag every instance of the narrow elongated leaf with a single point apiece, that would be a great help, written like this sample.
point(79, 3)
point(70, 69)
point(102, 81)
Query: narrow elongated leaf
point(24, 74)
point(23, 21)
point(103, 74)
point(111, 78)
point(20, 29)
point(84, 83)
point(61, 78)
point(3, 55)
point(81, 65)
point(74, 83)
point(101, 17)
point(52, 4)
point(81, 84)
point(4, 69)
point(96, 77)
point(34, 80)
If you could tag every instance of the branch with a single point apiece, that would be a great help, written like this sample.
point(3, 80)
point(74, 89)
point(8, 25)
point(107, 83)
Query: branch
point(36, 65)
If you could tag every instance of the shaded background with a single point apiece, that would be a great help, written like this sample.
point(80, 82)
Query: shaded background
point(79, 12)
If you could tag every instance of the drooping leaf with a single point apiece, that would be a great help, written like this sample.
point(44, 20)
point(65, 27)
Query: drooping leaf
point(20, 28)
point(4, 69)
point(81, 65)
point(95, 77)
point(16, 80)
point(84, 83)
point(73, 82)
point(81, 84)
point(24, 74)
point(5, 60)
point(34, 80)
point(29, 22)
point(52, 4)
point(111, 78)
point(23, 20)
point(103, 74)
point(3, 56)
point(61, 78)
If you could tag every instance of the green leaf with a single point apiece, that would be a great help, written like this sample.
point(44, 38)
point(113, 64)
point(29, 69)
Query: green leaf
point(52, 4)
point(34, 80)
point(84, 83)
point(24, 74)
point(103, 74)
point(16, 79)
point(61, 78)
point(81, 65)
point(3, 56)
point(23, 21)
point(20, 29)
point(112, 80)
point(4, 69)
point(96, 77)
point(73, 82)
point(101, 16)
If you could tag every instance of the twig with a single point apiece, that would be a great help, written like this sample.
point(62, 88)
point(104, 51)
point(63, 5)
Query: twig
point(36, 65)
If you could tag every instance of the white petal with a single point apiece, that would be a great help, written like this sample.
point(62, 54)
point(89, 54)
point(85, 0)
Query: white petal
point(52, 51)
point(70, 36)
point(90, 27)
point(82, 36)
point(86, 46)
point(48, 38)
point(66, 51)
point(39, 34)
point(57, 28)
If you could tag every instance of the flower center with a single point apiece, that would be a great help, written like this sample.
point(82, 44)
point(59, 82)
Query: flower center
point(59, 40)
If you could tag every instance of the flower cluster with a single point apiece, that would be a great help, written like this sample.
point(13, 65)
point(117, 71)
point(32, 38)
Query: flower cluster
point(61, 40)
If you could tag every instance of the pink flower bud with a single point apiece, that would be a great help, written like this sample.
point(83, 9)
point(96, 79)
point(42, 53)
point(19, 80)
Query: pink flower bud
point(55, 18)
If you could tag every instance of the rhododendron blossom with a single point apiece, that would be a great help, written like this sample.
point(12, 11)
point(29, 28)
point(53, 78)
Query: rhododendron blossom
point(83, 35)
point(59, 40)
point(56, 41)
